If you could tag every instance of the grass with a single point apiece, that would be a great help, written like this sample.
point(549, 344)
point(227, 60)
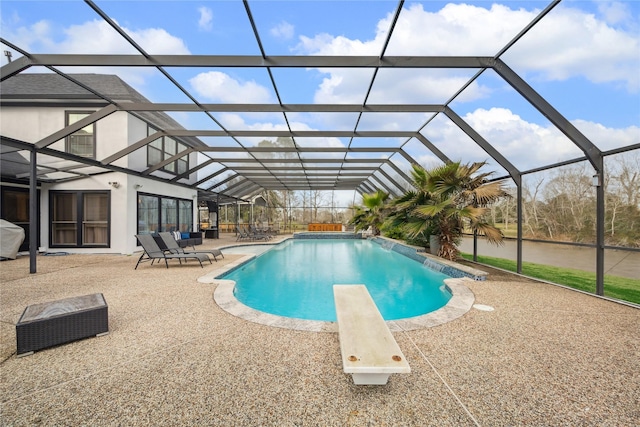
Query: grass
point(622, 288)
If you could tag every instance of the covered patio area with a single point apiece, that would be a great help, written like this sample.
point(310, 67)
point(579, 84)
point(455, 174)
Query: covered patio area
point(545, 356)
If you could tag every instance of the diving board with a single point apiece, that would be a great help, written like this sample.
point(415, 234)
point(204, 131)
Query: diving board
point(369, 351)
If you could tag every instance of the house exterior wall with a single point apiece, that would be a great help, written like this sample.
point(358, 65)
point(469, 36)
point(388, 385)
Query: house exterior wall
point(113, 133)
point(31, 124)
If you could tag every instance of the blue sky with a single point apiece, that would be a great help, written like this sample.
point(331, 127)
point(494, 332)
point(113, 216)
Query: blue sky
point(583, 57)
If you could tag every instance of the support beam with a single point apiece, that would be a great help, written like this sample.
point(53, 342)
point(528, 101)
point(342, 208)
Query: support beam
point(194, 170)
point(291, 134)
point(600, 227)
point(391, 180)
point(435, 150)
point(229, 178)
point(227, 190)
point(211, 176)
point(400, 172)
point(520, 234)
point(591, 151)
point(133, 147)
point(257, 61)
point(63, 133)
point(168, 161)
point(239, 188)
point(33, 211)
point(484, 144)
point(14, 67)
point(283, 108)
point(383, 184)
point(408, 158)
point(299, 150)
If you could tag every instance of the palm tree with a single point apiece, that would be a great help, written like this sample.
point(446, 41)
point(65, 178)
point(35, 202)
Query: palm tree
point(372, 213)
point(445, 199)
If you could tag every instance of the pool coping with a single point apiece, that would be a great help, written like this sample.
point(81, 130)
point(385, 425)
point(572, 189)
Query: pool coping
point(460, 303)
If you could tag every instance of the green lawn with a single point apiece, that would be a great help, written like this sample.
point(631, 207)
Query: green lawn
point(615, 287)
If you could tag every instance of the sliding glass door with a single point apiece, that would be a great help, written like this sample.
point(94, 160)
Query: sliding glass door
point(79, 218)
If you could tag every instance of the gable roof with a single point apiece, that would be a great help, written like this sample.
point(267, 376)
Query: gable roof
point(44, 88)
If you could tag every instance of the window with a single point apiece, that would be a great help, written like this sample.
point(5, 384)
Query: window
point(169, 151)
point(185, 213)
point(154, 152)
point(148, 214)
point(169, 214)
point(82, 142)
point(80, 219)
point(157, 213)
point(163, 149)
point(64, 221)
point(95, 221)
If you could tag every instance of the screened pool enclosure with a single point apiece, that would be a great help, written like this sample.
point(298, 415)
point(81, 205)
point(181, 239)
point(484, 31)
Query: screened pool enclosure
point(349, 115)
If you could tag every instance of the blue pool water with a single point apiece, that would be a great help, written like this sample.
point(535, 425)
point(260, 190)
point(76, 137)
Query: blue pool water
point(296, 278)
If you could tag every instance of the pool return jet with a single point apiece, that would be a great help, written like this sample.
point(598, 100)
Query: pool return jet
point(369, 351)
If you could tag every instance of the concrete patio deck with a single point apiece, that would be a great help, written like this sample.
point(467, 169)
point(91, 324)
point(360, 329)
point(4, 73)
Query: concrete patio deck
point(546, 356)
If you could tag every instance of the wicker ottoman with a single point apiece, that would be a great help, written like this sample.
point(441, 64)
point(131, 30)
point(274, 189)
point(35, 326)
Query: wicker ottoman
point(58, 322)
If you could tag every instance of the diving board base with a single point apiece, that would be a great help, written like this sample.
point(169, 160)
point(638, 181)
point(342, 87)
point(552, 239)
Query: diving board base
point(370, 379)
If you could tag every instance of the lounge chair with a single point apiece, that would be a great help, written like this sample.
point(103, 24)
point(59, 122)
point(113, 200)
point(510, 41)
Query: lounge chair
point(153, 252)
point(242, 235)
point(254, 234)
point(173, 247)
point(258, 234)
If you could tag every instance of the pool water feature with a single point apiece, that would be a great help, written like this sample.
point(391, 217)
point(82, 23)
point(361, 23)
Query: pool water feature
point(295, 279)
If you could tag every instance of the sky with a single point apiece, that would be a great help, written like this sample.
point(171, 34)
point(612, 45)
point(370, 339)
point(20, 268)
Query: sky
point(583, 57)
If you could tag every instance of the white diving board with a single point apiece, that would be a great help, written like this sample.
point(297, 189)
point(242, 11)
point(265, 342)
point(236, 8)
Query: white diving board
point(369, 351)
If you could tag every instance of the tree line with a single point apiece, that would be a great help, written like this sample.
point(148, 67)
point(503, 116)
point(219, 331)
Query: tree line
point(561, 204)
point(558, 205)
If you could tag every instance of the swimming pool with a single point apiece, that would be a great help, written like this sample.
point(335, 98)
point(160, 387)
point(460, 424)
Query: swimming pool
point(295, 279)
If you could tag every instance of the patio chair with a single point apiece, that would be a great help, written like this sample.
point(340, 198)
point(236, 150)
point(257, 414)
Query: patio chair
point(153, 252)
point(173, 247)
point(257, 235)
point(242, 235)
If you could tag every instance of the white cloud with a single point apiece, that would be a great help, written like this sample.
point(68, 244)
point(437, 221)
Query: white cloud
point(606, 138)
point(205, 23)
point(27, 37)
point(423, 86)
point(343, 87)
point(348, 86)
point(233, 121)
point(98, 37)
point(526, 145)
point(220, 87)
point(283, 30)
point(456, 29)
point(572, 43)
point(566, 43)
point(95, 37)
point(614, 12)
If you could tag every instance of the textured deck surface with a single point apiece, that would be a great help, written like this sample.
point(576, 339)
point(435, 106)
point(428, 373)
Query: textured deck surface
point(544, 356)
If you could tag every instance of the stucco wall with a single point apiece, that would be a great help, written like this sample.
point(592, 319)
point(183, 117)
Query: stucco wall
point(124, 205)
point(113, 133)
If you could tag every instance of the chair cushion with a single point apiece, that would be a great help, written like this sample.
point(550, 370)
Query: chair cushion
point(176, 235)
point(185, 235)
